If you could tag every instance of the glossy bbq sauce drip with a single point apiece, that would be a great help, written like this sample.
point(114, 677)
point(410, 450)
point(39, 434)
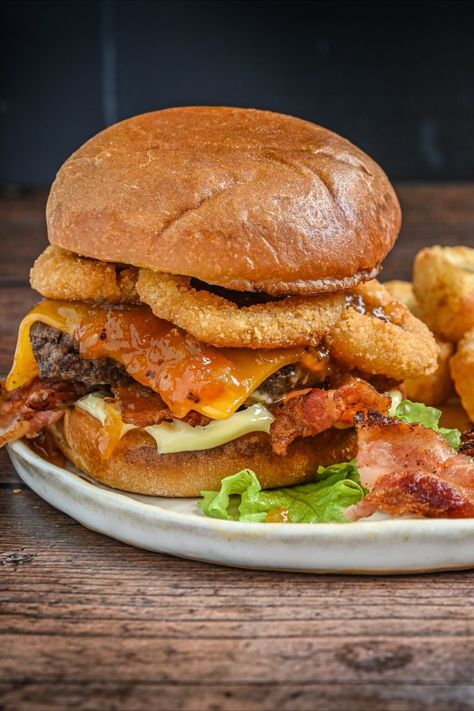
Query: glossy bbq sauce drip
point(278, 515)
point(358, 303)
point(155, 353)
point(188, 375)
point(110, 433)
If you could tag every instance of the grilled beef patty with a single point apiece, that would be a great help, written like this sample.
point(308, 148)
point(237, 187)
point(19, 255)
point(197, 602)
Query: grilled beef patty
point(57, 355)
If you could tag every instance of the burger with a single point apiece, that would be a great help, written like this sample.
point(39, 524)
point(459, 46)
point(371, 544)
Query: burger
point(210, 305)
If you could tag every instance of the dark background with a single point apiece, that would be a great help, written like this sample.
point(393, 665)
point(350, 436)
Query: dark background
point(396, 78)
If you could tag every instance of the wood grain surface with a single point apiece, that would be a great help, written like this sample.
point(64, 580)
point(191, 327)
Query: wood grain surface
point(89, 623)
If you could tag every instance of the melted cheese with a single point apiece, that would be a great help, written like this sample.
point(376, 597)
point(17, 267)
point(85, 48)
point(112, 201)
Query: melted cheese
point(188, 375)
point(113, 427)
point(64, 317)
point(177, 436)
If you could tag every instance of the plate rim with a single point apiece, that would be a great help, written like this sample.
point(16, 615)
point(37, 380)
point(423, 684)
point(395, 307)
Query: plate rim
point(395, 526)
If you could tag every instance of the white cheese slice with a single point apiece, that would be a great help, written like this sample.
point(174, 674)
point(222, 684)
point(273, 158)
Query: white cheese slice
point(178, 436)
point(95, 405)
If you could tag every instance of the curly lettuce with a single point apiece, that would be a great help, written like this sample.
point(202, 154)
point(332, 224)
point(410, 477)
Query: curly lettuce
point(410, 412)
point(241, 498)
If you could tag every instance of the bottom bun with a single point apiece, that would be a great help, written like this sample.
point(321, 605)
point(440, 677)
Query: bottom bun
point(136, 465)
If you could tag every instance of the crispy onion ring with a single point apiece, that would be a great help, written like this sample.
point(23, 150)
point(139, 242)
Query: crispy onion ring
point(443, 281)
point(60, 274)
point(292, 321)
point(380, 336)
point(462, 370)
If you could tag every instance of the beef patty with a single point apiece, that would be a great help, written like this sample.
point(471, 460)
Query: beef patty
point(57, 355)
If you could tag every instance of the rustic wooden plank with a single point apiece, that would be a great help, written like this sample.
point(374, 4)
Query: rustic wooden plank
point(443, 204)
point(441, 660)
point(432, 214)
point(88, 696)
point(74, 621)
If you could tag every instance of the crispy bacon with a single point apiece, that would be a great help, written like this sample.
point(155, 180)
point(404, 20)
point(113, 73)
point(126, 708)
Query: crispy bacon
point(316, 410)
point(142, 407)
point(27, 410)
point(410, 469)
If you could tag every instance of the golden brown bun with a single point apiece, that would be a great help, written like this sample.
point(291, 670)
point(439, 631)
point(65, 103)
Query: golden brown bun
point(247, 199)
point(136, 465)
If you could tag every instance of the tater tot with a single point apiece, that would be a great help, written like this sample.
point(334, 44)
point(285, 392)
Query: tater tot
point(403, 292)
point(436, 388)
point(443, 282)
point(462, 370)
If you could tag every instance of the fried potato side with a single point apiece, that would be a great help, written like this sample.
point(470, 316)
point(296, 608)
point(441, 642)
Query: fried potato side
point(462, 370)
point(436, 388)
point(443, 282)
point(403, 292)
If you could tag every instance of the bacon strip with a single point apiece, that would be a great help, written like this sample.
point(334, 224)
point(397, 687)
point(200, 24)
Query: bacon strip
point(24, 412)
point(410, 469)
point(142, 407)
point(316, 410)
point(27, 410)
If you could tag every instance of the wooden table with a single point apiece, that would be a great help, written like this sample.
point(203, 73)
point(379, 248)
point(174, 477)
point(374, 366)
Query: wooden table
point(90, 623)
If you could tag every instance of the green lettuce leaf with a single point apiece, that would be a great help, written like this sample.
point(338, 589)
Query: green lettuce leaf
point(241, 498)
point(428, 417)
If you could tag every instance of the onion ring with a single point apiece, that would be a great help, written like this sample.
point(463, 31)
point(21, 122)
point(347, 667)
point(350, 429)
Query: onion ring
point(380, 336)
point(462, 370)
point(443, 280)
point(292, 321)
point(60, 274)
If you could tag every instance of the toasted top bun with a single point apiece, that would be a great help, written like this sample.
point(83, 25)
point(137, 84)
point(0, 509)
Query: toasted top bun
point(136, 465)
point(249, 200)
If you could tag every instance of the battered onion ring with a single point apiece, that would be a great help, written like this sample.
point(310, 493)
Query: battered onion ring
point(462, 370)
point(395, 343)
point(293, 321)
point(60, 274)
point(443, 280)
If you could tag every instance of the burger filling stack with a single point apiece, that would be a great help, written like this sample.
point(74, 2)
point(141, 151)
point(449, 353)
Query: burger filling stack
point(211, 312)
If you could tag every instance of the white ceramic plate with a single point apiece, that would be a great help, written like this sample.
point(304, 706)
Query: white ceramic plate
point(177, 526)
